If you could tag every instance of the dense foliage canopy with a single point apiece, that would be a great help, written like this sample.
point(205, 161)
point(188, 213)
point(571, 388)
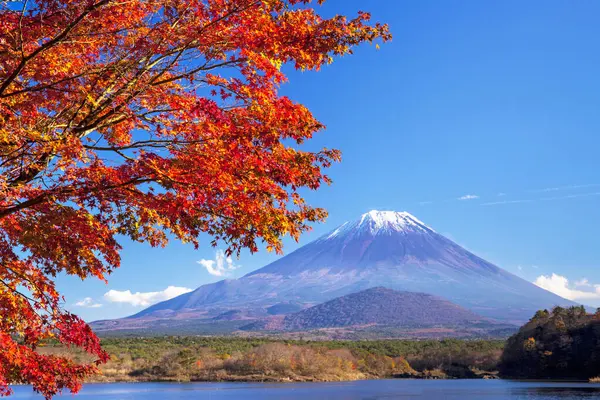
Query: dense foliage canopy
point(149, 119)
point(560, 344)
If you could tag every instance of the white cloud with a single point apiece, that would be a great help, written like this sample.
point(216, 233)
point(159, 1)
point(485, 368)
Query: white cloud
point(468, 197)
point(88, 302)
point(220, 266)
point(501, 194)
point(559, 285)
point(139, 299)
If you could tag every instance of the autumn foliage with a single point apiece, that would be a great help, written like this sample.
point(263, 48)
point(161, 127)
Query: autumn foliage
point(562, 343)
point(149, 120)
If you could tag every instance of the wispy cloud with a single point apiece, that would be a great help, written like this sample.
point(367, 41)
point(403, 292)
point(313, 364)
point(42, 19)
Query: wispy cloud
point(527, 267)
point(568, 187)
point(220, 266)
point(498, 203)
point(88, 302)
point(583, 282)
point(571, 196)
point(561, 286)
point(496, 200)
point(138, 299)
point(566, 197)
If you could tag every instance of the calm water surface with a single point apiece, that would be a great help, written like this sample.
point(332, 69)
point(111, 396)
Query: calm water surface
point(361, 390)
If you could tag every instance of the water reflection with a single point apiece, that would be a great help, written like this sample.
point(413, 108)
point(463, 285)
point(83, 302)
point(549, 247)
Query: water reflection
point(578, 391)
point(361, 390)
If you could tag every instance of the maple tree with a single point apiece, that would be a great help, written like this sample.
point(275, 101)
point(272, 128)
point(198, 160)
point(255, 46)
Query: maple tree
point(149, 120)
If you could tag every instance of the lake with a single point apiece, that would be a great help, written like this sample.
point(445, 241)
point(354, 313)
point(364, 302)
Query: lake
point(359, 390)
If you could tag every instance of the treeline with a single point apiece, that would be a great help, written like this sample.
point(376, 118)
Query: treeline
point(255, 359)
point(563, 343)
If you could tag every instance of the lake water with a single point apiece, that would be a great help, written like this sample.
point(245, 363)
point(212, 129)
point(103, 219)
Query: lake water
point(360, 390)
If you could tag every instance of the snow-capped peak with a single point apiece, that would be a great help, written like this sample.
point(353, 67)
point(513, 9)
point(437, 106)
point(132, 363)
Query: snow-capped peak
point(398, 221)
point(382, 221)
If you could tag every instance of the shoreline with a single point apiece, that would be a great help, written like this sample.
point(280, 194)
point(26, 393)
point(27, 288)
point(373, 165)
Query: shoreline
point(545, 381)
point(295, 379)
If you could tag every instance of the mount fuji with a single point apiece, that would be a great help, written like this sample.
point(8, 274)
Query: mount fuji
point(387, 249)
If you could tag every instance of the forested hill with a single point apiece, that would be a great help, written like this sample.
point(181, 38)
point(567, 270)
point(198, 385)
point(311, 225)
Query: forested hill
point(382, 306)
point(561, 344)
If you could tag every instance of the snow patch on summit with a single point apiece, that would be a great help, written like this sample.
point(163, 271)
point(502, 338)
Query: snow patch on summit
point(397, 221)
point(381, 221)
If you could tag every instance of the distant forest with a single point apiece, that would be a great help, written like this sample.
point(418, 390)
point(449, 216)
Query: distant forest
point(252, 359)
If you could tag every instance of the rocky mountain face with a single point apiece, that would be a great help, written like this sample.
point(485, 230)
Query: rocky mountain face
point(380, 249)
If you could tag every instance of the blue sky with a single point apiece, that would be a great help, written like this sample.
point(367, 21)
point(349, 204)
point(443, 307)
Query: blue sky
point(495, 101)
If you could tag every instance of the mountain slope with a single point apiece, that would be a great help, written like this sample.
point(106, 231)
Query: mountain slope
point(382, 248)
point(381, 306)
